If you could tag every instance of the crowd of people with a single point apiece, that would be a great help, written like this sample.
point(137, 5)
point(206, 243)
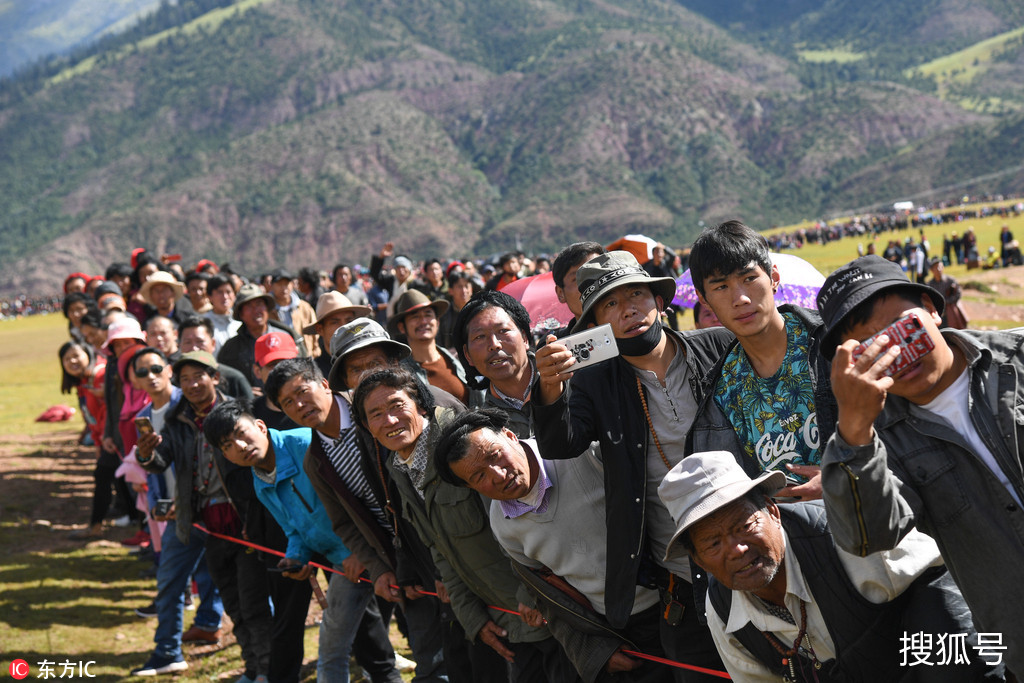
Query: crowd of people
point(781, 494)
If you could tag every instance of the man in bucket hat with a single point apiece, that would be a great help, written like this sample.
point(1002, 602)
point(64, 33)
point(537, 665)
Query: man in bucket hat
point(786, 602)
point(252, 308)
point(417, 319)
point(639, 406)
point(937, 445)
point(333, 309)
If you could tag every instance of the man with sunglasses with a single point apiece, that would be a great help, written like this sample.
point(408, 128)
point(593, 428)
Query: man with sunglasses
point(178, 560)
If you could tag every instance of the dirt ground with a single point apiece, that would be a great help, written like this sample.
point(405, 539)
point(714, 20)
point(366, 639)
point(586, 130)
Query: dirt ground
point(1007, 283)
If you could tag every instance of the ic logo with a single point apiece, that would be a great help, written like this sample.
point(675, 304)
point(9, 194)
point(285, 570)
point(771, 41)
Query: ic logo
point(19, 669)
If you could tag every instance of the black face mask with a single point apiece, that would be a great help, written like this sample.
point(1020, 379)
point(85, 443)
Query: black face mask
point(642, 345)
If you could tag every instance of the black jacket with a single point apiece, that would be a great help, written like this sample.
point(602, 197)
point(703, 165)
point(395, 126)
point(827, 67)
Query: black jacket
point(600, 404)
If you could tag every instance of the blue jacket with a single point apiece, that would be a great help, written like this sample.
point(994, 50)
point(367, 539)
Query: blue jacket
point(294, 504)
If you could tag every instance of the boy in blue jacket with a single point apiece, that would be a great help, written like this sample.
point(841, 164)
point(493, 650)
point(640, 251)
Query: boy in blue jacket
point(284, 489)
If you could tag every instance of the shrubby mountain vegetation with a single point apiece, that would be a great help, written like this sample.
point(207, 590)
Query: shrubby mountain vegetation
point(306, 131)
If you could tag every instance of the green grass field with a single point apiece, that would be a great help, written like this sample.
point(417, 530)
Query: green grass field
point(30, 373)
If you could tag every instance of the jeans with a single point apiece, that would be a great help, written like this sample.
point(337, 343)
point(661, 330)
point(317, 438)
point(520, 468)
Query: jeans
point(346, 602)
point(178, 562)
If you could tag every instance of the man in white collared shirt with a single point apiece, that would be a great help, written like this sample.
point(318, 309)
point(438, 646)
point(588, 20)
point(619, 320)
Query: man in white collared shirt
point(785, 602)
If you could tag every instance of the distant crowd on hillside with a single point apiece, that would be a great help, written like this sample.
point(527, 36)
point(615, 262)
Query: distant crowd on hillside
point(874, 225)
point(782, 491)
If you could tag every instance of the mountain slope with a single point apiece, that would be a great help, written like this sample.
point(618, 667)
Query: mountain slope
point(301, 131)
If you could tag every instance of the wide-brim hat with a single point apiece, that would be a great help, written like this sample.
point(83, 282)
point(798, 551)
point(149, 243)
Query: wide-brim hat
point(161, 277)
point(603, 273)
point(331, 302)
point(124, 328)
point(356, 335)
point(411, 301)
point(704, 483)
point(251, 292)
point(853, 284)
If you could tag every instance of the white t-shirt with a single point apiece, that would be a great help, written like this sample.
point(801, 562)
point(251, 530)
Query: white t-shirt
point(952, 407)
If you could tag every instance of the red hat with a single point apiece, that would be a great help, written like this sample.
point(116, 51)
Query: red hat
point(71, 277)
point(275, 346)
point(135, 256)
point(203, 263)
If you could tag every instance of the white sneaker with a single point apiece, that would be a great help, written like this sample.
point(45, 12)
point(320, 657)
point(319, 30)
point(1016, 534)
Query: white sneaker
point(122, 521)
point(403, 664)
point(157, 665)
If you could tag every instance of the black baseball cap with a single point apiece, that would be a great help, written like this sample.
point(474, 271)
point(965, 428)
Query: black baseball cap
point(853, 284)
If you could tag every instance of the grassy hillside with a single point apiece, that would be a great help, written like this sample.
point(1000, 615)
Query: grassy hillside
point(295, 131)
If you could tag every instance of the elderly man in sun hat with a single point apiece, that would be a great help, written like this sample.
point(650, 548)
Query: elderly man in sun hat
point(333, 309)
point(162, 291)
point(639, 407)
point(786, 603)
point(417, 320)
point(252, 307)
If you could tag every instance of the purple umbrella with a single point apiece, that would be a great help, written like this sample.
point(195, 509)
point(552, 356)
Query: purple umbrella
point(799, 283)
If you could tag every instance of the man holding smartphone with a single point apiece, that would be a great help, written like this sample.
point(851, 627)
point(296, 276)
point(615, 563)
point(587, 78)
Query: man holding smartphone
point(938, 445)
point(639, 406)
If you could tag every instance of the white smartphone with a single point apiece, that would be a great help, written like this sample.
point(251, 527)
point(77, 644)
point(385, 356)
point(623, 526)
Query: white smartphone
point(591, 346)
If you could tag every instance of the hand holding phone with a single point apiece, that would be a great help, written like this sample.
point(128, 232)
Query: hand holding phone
point(144, 425)
point(591, 346)
point(910, 335)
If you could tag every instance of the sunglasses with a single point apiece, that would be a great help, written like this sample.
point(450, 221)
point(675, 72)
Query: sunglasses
point(144, 371)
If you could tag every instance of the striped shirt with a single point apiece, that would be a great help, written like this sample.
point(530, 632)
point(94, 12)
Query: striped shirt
point(345, 456)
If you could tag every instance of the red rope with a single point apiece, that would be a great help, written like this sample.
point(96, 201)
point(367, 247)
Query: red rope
point(632, 653)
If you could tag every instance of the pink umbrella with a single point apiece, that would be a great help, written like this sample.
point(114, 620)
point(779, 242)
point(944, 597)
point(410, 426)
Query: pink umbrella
point(537, 294)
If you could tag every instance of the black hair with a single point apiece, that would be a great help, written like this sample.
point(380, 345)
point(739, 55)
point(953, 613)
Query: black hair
point(217, 281)
point(574, 255)
point(174, 323)
point(394, 378)
point(76, 297)
point(337, 268)
point(432, 261)
point(117, 270)
point(478, 303)
point(67, 382)
point(453, 443)
point(311, 276)
point(143, 351)
point(458, 275)
point(725, 249)
point(94, 319)
point(221, 421)
point(505, 258)
point(288, 369)
point(755, 496)
point(195, 321)
point(197, 275)
point(144, 259)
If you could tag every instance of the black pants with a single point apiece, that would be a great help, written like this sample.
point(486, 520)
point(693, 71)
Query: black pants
point(287, 634)
point(103, 482)
point(241, 579)
point(689, 641)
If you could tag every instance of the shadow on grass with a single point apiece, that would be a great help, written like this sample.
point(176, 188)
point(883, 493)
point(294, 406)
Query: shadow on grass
point(85, 587)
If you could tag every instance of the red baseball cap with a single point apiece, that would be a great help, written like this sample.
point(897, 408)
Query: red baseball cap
point(275, 346)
